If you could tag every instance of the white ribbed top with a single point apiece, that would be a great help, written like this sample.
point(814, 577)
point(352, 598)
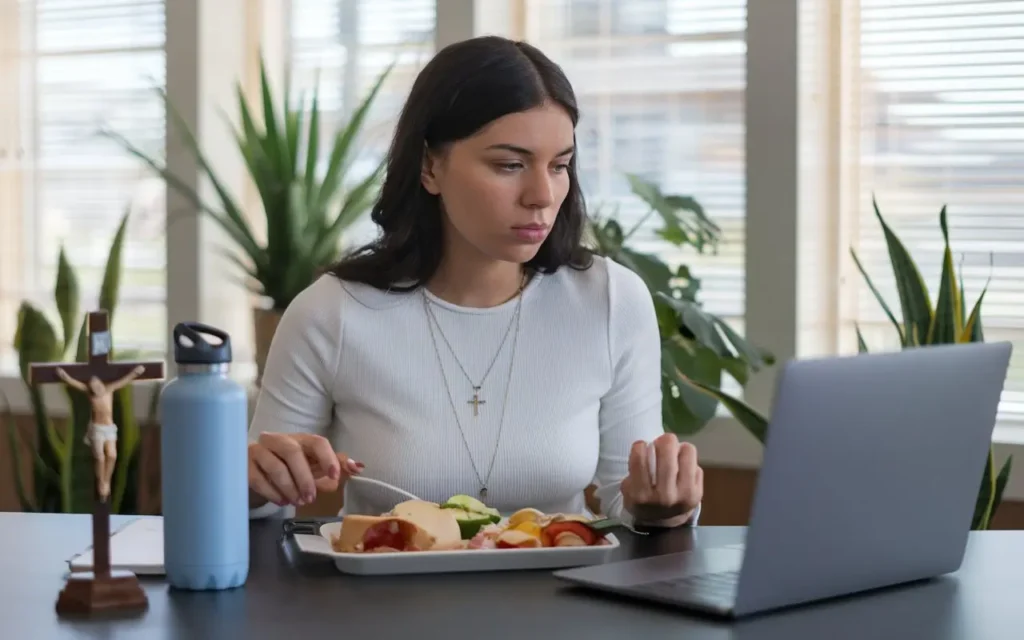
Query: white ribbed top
point(358, 366)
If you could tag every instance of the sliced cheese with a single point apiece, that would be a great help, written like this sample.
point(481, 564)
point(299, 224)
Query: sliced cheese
point(437, 528)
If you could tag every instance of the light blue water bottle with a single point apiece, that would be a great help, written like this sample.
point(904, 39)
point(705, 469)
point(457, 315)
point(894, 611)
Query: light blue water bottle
point(204, 464)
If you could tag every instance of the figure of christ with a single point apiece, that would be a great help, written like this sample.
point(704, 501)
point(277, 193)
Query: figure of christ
point(102, 432)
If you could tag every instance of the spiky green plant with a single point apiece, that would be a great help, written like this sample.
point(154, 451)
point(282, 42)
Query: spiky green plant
point(61, 463)
point(305, 212)
point(922, 325)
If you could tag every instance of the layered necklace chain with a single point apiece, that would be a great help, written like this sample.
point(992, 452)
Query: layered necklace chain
point(475, 400)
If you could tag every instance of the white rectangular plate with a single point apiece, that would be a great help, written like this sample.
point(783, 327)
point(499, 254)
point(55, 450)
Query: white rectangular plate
point(452, 561)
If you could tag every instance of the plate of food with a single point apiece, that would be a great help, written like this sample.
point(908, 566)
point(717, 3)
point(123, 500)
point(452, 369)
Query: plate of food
point(461, 534)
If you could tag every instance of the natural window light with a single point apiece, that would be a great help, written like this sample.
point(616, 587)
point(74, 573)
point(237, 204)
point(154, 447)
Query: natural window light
point(73, 68)
point(919, 104)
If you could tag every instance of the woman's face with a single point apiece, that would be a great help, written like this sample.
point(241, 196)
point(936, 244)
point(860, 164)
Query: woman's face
point(501, 189)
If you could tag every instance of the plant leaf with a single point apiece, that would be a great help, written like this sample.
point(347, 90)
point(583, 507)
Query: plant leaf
point(1001, 479)
point(986, 495)
point(683, 217)
point(947, 323)
point(36, 341)
point(914, 299)
point(703, 326)
point(313, 145)
point(225, 219)
point(747, 352)
point(687, 412)
point(878, 296)
point(971, 331)
point(862, 347)
point(66, 294)
point(343, 142)
point(111, 285)
point(746, 415)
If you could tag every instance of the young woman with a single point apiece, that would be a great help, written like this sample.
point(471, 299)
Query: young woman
point(476, 347)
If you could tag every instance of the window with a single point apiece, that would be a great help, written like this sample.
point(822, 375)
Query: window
point(345, 45)
point(68, 68)
point(661, 89)
point(936, 116)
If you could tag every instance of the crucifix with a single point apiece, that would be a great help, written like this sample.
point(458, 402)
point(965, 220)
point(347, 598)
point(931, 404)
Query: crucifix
point(99, 378)
point(476, 401)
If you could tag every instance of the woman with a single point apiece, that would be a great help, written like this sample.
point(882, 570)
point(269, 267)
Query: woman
point(476, 347)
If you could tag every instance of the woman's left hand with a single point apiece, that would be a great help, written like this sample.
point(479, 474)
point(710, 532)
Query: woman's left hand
point(670, 495)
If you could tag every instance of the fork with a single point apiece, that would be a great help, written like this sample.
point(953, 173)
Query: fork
point(384, 485)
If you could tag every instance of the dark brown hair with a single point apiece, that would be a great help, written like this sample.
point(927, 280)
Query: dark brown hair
point(463, 88)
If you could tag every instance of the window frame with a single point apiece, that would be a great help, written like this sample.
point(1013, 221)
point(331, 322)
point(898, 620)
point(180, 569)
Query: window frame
point(773, 297)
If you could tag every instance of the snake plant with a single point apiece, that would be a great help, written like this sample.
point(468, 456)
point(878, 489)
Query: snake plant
point(921, 325)
point(59, 462)
point(305, 210)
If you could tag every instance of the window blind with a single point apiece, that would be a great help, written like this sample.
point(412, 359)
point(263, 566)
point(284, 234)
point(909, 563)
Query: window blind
point(661, 88)
point(341, 47)
point(937, 109)
point(80, 65)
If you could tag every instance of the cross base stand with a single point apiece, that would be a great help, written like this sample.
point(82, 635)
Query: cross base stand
point(101, 590)
point(86, 594)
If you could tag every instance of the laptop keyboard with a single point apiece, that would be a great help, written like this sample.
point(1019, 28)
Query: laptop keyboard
point(713, 588)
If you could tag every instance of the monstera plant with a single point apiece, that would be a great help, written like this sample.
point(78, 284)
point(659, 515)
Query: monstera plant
point(921, 324)
point(59, 462)
point(698, 347)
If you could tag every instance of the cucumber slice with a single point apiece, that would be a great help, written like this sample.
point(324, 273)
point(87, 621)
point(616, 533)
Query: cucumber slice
point(471, 505)
point(469, 523)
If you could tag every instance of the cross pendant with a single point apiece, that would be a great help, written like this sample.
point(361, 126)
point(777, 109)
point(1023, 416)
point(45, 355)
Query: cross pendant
point(476, 401)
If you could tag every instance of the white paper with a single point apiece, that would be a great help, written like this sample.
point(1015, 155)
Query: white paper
point(137, 547)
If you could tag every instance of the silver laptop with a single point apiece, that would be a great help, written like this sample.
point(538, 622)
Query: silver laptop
point(870, 475)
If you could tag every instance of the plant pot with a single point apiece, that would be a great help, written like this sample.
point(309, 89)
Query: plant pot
point(265, 323)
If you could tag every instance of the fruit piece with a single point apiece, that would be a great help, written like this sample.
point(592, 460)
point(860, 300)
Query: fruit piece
point(524, 515)
point(515, 539)
point(529, 528)
point(569, 539)
point(550, 534)
point(472, 505)
point(469, 523)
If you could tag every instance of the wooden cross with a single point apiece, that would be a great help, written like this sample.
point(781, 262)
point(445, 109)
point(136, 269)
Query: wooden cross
point(98, 365)
point(120, 591)
point(476, 401)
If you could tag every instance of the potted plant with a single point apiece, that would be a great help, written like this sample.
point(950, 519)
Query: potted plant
point(305, 209)
point(60, 461)
point(696, 345)
point(922, 325)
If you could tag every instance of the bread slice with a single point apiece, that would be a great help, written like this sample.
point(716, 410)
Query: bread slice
point(353, 528)
point(424, 527)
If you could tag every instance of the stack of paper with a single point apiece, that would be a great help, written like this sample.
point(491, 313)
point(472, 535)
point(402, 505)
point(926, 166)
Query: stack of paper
point(137, 547)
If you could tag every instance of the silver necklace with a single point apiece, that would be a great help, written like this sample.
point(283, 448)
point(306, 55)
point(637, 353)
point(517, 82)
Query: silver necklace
point(475, 400)
point(504, 404)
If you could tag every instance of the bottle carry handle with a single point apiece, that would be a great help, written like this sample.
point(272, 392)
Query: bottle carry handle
point(200, 347)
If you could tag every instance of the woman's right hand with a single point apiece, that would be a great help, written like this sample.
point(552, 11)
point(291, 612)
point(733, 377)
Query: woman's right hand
point(290, 468)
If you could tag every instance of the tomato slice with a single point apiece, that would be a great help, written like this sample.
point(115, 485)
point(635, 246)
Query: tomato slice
point(394, 534)
point(550, 532)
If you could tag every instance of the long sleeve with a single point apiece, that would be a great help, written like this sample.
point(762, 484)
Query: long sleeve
point(296, 391)
point(631, 410)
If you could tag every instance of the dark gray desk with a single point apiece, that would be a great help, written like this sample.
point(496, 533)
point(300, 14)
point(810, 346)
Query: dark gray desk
point(296, 597)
